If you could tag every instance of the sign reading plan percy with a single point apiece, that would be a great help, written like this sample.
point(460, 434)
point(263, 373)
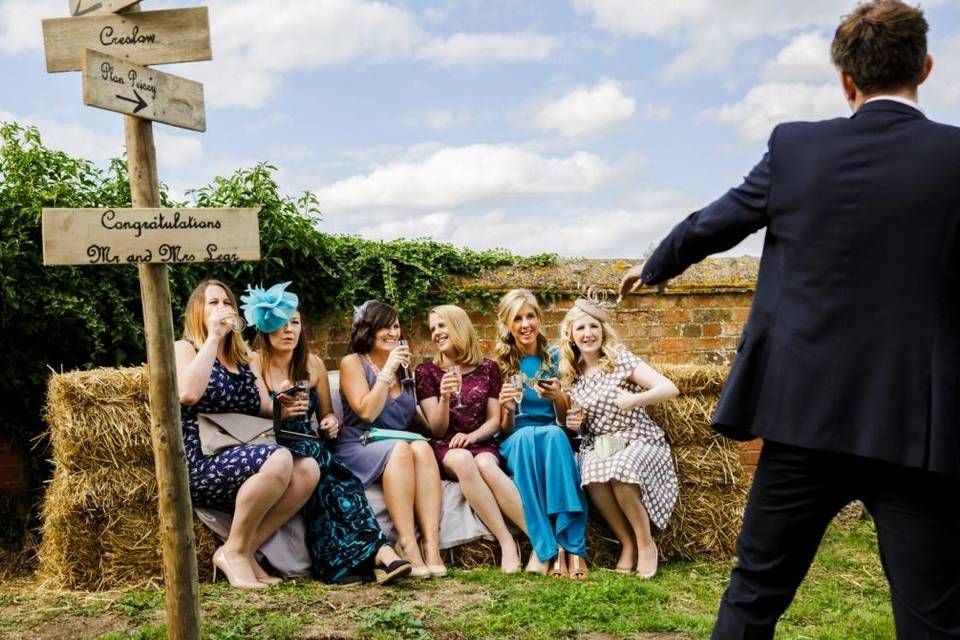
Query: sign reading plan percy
point(130, 236)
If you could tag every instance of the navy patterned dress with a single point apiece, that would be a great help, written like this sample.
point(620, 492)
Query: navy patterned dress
point(215, 480)
point(343, 536)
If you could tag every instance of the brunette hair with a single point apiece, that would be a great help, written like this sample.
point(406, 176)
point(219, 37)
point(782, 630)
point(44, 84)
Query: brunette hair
point(195, 329)
point(300, 361)
point(882, 45)
point(466, 345)
point(372, 316)
point(508, 354)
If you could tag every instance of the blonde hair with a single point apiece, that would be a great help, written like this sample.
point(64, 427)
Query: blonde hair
point(508, 353)
point(195, 329)
point(466, 345)
point(571, 365)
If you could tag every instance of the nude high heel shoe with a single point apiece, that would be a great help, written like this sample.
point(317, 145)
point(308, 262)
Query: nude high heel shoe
point(558, 568)
point(417, 571)
point(436, 570)
point(220, 562)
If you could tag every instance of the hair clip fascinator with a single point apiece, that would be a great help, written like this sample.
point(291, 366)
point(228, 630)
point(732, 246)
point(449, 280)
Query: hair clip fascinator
point(359, 311)
point(269, 309)
point(594, 303)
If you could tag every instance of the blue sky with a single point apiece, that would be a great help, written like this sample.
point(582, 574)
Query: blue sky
point(581, 127)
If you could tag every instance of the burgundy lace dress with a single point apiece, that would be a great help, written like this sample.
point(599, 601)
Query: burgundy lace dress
point(478, 385)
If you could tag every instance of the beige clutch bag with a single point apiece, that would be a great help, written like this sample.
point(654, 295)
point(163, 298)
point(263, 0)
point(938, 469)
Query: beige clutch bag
point(219, 431)
point(608, 444)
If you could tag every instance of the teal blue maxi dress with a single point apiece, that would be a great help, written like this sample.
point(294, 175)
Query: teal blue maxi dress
point(542, 464)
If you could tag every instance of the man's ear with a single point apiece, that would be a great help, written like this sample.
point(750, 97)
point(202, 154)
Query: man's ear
point(927, 67)
point(849, 87)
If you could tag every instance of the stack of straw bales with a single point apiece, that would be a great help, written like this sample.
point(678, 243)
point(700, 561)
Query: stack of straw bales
point(713, 484)
point(101, 528)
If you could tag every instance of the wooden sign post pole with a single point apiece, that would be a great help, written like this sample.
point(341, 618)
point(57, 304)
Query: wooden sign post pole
point(181, 588)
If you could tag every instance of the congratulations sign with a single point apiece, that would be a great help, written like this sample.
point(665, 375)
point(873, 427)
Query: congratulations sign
point(130, 236)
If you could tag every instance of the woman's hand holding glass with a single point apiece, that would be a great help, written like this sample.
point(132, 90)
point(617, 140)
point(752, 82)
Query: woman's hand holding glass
point(575, 418)
point(449, 384)
point(508, 397)
point(220, 321)
point(399, 357)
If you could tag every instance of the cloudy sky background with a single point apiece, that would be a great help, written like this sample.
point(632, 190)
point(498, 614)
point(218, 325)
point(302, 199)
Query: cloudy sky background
point(581, 127)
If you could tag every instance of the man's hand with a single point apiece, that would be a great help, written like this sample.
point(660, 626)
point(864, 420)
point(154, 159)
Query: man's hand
point(631, 280)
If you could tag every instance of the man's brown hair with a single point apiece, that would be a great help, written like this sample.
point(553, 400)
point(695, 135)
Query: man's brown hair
point(882, 45)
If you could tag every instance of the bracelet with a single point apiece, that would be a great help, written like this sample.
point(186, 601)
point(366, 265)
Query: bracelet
point(386, 377)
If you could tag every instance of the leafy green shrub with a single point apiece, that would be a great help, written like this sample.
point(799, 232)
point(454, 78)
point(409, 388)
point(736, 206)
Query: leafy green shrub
point(81, 317)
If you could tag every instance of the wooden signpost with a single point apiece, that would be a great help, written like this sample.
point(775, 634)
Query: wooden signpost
point(117, 85)
point(110, 49)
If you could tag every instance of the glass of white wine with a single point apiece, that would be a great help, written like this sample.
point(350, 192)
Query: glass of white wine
point(517, 381)
point(455, 370)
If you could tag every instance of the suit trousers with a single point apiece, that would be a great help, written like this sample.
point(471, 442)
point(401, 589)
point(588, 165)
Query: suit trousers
point(796, 492)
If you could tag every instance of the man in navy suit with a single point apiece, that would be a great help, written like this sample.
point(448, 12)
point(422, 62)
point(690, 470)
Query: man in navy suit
point(849, 365)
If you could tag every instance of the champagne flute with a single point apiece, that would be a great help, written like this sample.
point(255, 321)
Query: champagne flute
point(517, 381)
point(236, 323)
point(455, 370)
point(575, 408)
point(405, 377)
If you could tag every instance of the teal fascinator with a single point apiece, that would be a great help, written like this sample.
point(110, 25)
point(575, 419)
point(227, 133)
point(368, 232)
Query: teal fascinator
point(269, 309)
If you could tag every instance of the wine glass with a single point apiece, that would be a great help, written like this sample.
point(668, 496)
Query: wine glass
point(236, 323)
point(455, 370)
point(575, 408)
point(517, 381)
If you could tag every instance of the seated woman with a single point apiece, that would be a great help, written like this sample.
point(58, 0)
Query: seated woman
point(262, 484)
point(375, 397)
point(625, 463)
point(537, 451)
point(343, 537)
point(463, 430)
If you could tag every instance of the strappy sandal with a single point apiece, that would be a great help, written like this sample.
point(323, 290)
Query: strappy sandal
point(558, 568)
point(577, 567)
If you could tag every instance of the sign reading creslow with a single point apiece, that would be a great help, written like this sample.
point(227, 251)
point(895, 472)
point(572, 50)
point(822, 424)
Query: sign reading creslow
point(130, 236)
point(146, 37)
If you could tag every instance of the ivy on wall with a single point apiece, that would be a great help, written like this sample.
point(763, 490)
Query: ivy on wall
point(81, 317)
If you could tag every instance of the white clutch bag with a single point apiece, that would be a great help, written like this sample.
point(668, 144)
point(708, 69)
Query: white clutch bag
point(608, 444)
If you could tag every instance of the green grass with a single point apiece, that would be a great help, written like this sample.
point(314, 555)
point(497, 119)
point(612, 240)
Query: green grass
point(844, 597)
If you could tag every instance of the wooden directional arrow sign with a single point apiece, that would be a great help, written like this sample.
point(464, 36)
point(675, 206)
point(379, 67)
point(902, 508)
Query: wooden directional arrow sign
point(130, 236)
point(94, 7)
point(147, 37)
point(117, 85)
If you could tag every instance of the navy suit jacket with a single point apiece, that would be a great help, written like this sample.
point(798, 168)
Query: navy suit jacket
point(853, 339)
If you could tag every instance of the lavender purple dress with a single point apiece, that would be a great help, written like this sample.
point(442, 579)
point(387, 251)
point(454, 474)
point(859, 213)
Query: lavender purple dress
point(367, 461)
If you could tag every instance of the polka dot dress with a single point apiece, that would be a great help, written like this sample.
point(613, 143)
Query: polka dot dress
point(646, 461)
point(215, 480)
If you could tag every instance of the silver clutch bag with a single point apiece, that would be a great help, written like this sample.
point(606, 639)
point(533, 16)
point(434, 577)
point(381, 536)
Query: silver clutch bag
point(219, 431)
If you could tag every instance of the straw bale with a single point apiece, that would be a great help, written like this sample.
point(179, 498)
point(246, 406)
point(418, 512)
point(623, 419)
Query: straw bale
point(705, 522)
point(685, 420)
point(714, 465)
point(100, 418)
point(705, 379)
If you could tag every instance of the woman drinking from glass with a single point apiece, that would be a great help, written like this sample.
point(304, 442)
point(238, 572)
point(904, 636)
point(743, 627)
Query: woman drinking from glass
point(375, 396)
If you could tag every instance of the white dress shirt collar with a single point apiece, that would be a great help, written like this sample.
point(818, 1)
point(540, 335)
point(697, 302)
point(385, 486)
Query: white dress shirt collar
point(901, 100)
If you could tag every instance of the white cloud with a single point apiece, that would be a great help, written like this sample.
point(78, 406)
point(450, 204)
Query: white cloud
point(438, 119)
point(586, 110)
point(20, 23)
point(455, 177)
point(709, 31)
point(487, 48)
point(657, 113)
point(798, 84)
point(177, 150)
